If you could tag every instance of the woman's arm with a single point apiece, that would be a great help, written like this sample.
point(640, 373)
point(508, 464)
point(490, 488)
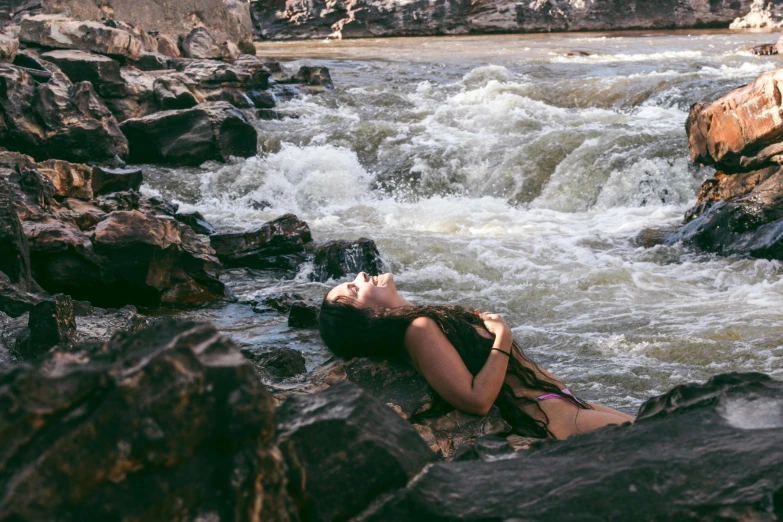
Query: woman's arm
point(438, 361)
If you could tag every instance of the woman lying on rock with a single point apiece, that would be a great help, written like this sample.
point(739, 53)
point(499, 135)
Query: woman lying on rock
point(469, 358)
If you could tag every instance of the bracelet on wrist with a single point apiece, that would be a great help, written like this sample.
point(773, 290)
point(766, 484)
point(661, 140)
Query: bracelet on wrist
point(507, 354)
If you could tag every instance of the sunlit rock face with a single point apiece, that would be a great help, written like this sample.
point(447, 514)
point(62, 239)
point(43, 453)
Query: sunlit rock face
point(275, 19)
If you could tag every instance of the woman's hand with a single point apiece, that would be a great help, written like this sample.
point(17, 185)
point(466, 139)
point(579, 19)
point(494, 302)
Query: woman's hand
point(498, 327)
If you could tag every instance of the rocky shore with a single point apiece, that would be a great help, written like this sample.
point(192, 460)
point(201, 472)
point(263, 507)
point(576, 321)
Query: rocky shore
point(278, 20)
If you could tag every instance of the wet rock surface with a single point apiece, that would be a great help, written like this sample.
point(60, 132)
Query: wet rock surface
point(340, 258)
point(676, 463)
point(169, 423)
point(303, 314)
point(369, 18)
point(334, 485)
point(282, 362)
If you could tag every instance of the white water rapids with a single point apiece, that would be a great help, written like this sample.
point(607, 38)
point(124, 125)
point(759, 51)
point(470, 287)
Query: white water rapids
point(499, 173)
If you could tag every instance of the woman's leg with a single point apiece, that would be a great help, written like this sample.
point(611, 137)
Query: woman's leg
point(565, 419)
point(605, 409)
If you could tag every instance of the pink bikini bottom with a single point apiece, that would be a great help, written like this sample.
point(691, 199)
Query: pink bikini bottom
point(554, 395)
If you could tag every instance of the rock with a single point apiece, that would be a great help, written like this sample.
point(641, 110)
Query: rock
point(764, 50)
point(336, 259)
point(153, 62)
point(762, 15)
point(303, 314)
point(51, 324)
point(209, 131)
point(343, 448)
point(106, 181)
point(14, 301)
point(140, 100)
point(226, 19)
point(229, 51)
point(276, 245)
point(201, 45)
point(282, 362)
point(8, 48)
point(14, 249)
point(677, 462)
point(280, 303)
point(455, 430)
point(315, 76)
point(743, 127)
point(486, 448)
point(195, 221)
point(175, 406)
point(291, 19)
point(168, 46)
point(57, 119)
point(59, 32)
point(70, 180)
point(651, 237)
point(83, 66)
point(264, 100)
point(779, 45)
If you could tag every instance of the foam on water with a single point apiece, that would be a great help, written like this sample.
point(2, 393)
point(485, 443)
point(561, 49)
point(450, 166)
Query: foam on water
point(519, 186)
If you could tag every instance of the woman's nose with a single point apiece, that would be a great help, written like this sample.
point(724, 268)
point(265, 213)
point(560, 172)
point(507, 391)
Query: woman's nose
point(362, 276)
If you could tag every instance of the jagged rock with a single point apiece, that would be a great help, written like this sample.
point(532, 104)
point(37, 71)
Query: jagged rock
point(59, 32)
point(14, 301)
point(153, 62)
point(313, 76)
point(486, 448)
point(80, 66)
point(105, 180)
point(226, 19)
point(280, 303)
point(70, 180)
point(8, 48)
point(764, 50)
point(195, 221)
point(762, 15)
point(98, 325)
point(303, 314)
point(343, 448)
point(51, 323)
point(209, 131)
point(229, 51)
point(741, 129)
point(276, 245)
point(201, 45)
point(336, 259)
point(292, 19)
point(140, 100)
point(57, 119)
point(282, 362)
point(677, 462)
point(455, 429)
point(168, 423)
point(14, 249)
point(168, 46)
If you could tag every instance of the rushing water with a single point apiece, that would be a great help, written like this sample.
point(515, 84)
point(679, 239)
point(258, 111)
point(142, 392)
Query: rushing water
point(500, 173)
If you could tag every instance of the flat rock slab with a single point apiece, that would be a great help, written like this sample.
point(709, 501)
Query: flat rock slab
point(208, 131)
point(59, 32)
point(80, 66)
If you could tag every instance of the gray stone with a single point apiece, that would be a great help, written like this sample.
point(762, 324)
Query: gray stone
point(8, 48)
point(59, 32)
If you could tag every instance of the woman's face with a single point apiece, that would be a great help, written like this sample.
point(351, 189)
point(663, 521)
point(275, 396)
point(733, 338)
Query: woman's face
point(369, 291)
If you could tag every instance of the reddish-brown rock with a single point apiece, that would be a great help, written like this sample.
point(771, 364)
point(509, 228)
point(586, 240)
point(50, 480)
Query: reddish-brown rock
point(742, 124)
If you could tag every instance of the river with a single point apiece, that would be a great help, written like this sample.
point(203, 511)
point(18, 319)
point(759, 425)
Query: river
point(502, 173)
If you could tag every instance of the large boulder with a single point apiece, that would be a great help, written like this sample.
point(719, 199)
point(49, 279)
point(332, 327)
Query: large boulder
point(57, 119)
point(677, 462)
point(208, 131)
point(343, 448)
point(742, 129)
point(339, 258)
point(276, 245)
point(170, 423)
point(201, 45)
point(83, 66)
point(60, 32)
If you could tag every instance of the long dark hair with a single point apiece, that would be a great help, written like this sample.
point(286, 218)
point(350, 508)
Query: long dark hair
point(352, 331)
